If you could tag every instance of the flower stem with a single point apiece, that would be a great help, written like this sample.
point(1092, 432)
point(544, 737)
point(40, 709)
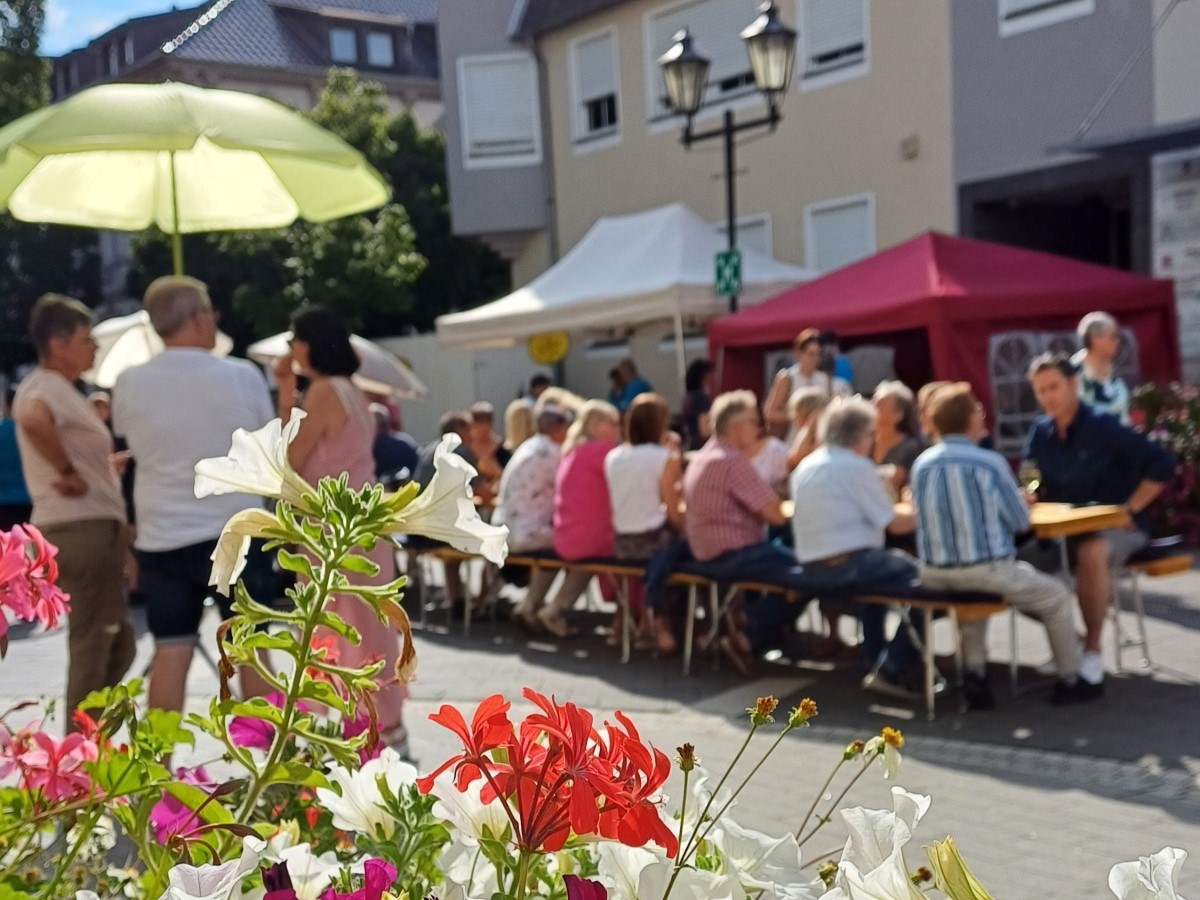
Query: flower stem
point(683, 806)
point(824, 820)
point(64, 864)
point(817, 799)
point(522, 875)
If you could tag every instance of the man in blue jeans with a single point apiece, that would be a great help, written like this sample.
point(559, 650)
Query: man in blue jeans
point(728, 509)
point(842, 514)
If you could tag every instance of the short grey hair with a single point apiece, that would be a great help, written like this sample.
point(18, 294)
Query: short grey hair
point(901, 397)
point(728, 406)
point(846, 422)
point(172, 300)
point(1094, 324)
point(807, 400)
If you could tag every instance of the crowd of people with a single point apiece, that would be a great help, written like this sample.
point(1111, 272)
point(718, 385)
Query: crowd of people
point(814, 490)
point(832, 496)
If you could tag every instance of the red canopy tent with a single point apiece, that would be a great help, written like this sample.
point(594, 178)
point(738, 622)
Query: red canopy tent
point(938, 299)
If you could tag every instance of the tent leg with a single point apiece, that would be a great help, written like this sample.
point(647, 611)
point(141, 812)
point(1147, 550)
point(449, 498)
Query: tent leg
point(680, 354)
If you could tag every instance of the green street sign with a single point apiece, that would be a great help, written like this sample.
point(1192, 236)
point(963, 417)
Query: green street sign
point(729, 273)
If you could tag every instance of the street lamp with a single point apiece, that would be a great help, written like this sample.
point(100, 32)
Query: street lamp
point(771, 46)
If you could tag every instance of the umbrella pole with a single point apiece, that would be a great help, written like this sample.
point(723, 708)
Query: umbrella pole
point(176, 237)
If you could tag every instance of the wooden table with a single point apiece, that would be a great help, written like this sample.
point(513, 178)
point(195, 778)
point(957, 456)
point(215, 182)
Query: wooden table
point(1061, 520)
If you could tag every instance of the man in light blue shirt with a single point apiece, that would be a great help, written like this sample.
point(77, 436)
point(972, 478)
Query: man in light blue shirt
point(968, 508)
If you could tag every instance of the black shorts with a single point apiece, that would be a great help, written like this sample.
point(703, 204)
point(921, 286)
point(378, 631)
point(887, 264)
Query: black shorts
point(175, 586)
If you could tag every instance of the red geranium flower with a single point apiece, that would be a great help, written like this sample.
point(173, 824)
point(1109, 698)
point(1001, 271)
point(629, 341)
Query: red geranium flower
point(489, 729)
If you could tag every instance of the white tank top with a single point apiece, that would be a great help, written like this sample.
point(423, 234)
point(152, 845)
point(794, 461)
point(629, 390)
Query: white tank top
point(633, 472)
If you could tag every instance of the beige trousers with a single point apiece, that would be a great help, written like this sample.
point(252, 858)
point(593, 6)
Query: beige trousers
point(1032, 592)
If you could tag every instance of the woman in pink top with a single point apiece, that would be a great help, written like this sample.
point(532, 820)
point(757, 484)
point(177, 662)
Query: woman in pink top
point(582, 514)
point(335, 437)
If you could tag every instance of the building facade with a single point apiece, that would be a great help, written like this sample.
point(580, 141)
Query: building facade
point(555, 116)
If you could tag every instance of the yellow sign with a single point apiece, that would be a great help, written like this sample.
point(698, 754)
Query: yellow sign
point(548, 347)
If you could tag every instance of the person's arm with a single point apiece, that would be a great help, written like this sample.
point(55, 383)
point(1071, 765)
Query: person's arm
point(1143, 495)
point(704, 425)
point(803, 444)
point(775, 409)
point(1014, 507)
point(902, 523)
point(772, 513)
point(285, 378)
point(671, 491)
point(1151, 459)
point(37, 423)
point(324, 414)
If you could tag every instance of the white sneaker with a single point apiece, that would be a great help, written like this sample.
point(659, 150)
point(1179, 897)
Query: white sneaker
point(1091, 668)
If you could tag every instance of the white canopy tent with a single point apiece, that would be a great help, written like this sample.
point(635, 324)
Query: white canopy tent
point(627, 270)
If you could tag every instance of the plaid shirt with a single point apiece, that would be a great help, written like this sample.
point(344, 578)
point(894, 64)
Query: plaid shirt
point(724, 497)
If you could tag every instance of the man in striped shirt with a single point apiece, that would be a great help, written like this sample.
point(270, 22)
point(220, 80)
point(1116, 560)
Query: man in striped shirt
point(968, 508)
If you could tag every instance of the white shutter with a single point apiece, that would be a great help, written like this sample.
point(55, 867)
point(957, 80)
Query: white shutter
point(754, 234)
point(836, 32)
point(839, 234)
point(499, 114)
point(716, 28)
point(1011, 8)
point(596, 68)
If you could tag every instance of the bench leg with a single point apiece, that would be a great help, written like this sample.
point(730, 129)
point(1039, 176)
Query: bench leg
point(689, 630)
point(1139, 609)
point(1013, 654)
point(929, 667)
point(626, 625)
point(467, 604)
point(1114, 612)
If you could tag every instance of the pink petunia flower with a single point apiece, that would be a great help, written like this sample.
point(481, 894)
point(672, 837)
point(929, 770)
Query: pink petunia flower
point(378, 876)
point(256, 733)
point(170, 815)
point(356, 726)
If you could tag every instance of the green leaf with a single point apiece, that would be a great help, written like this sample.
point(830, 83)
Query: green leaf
point(360, 565)
point(296, 562)
point(192, 797)
point(295, 772)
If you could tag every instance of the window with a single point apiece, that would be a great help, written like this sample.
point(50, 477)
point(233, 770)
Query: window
point(498, 109)
point(716, 29)
point(833, 40)
point(343, 45)
point(128, 49)
point(1017, 16)
point(380, 50)
point(114, 59)
point(753, 233)
point(1009, 356)
point(595, 85)
point(838, 232)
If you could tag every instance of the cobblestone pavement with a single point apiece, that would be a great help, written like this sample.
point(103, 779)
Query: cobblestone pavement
point(1042, 800)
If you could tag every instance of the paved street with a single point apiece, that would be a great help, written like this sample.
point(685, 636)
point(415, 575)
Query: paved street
point(1041, 800)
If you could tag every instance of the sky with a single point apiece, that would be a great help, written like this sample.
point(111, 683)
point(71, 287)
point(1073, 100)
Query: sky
point(72, 23)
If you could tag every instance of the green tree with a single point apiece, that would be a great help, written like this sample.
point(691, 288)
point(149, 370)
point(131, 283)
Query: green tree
point(391, 269)
point(37, 258)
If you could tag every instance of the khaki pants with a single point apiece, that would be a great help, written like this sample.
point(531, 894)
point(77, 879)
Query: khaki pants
point(1041, 596)
point(91, 568)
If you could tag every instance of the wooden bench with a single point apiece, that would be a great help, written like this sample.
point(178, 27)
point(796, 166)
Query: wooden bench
point(958, 607)
point(1159, 559)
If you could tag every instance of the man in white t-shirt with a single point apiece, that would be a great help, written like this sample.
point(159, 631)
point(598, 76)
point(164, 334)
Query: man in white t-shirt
point(66, 458)
point(180, 407)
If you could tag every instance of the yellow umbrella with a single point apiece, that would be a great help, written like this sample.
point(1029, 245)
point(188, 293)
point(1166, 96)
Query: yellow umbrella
point(187, 159)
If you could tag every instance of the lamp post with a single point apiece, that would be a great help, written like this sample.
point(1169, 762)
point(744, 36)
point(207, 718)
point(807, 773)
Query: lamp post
point(771, 46)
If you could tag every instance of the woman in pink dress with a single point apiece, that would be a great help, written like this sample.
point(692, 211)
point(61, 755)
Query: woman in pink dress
point(335, 437)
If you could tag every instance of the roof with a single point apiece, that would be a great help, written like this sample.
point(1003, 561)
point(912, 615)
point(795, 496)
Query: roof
point(271, 33)
point(535, 17)
point(155, 26)
point(938, 278)
point(626, 270)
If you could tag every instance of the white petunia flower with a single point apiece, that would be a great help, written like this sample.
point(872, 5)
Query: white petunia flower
point(760, 862)
point(445, 511)
point(229, 556)
point(620, 867)
point(209, 882)
point(690, 884)
point(471, 817)
point(466, 872)
point(875, 834)
point(357, 805)
point(1149, 877)
point(890, 881)
point(257, 464)
point(888, 752)
point(310, 874)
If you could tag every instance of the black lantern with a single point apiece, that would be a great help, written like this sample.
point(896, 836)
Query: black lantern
point(686, 73)
point(772, 49)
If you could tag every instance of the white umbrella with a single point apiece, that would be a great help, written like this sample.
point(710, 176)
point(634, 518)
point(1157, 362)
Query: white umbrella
point(127, 341)
point(379, 373)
